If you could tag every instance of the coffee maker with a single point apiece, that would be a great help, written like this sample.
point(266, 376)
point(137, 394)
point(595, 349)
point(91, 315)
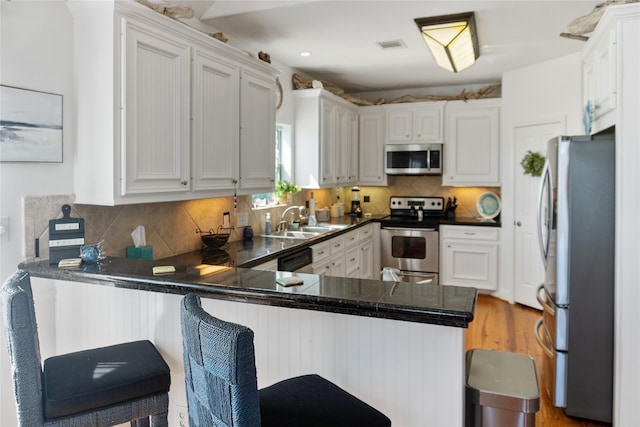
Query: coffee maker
point(356, 210)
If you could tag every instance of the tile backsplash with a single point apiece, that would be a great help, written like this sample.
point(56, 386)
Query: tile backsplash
point(171, 227)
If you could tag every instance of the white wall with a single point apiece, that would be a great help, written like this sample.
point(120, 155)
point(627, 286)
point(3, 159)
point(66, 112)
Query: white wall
point(36, 53)
point(533, 94)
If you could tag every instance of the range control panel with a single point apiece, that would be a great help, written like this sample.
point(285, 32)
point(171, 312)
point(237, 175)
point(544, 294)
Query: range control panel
point(426, 203)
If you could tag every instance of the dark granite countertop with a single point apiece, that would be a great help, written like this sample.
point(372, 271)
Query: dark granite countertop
point(259, 250)
point(440, 305)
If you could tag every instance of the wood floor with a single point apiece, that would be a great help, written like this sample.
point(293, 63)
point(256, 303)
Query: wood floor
point(499, 325)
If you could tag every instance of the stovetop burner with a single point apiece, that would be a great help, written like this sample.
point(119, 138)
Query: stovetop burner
point(415, 212)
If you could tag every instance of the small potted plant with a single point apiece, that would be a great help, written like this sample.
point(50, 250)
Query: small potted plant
point(284, 190)
point(532, 163)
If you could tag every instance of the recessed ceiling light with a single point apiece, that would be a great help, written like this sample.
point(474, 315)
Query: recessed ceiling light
point(305, 53)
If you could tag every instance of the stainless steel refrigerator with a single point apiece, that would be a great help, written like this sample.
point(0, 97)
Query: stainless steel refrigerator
point(576, 223)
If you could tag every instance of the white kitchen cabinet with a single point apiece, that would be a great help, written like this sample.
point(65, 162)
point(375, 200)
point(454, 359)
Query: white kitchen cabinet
point(472, 143)
point(258, 129)
point(143, 80)
point(600, 79)
point(324, 136)
point(347, 255)
point(216, 85)
point(419, 122)
point(371, 146)
point(156, 88)
point(321, 258)
point(469, 256)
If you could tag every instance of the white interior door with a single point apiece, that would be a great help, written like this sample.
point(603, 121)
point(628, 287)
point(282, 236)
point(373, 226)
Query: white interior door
point(529, 270)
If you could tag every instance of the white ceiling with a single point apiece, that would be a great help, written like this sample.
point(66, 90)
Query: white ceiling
point(342, 37)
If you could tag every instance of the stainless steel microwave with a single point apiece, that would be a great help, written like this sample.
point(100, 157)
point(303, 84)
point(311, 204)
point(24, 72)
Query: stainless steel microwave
point(413, 159)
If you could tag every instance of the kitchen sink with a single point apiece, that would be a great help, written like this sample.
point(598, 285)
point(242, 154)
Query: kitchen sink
point(306, 232)
point(302, 235)
point(323, 228)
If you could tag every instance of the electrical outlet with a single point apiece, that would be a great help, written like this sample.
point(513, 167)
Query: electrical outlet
point(182, 416)
point(243, 219)
point(367, 199)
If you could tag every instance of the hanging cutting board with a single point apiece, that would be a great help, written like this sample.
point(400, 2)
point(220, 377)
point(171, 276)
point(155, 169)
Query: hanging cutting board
point(66, 236)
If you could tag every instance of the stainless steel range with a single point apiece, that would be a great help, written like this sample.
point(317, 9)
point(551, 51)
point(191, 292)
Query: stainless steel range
point(410, 238)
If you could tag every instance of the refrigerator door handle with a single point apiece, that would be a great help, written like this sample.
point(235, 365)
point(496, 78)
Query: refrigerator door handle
point(543, 301)
point(548, 214)
point(543, 342)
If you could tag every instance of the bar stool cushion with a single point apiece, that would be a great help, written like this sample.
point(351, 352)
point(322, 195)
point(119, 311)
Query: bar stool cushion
point(90, 379)
point(312, 401)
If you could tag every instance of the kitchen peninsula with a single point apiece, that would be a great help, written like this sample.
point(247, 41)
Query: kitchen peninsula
point(398, 346)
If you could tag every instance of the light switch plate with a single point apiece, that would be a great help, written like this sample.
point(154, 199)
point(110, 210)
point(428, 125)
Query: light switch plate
point(4, 227)
point(243, 219)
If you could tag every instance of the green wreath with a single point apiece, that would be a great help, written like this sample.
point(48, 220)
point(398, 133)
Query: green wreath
point(533, 163)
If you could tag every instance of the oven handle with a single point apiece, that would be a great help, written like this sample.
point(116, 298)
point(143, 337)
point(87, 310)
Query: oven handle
point(428, 277)
point(407, 228)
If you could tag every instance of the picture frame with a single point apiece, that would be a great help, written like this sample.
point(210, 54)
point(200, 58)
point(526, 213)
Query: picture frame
point(30, 126)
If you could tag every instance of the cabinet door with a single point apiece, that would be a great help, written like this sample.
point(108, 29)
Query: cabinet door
point(371, 148)
point(327, 142)
point(258, 130)
point(427, 125)
point(600, 75)
point(353, 158)
point(155, 112)
point(472, 148)
point(469, 263)
point(342, 144)
point(400, 126)
point(366, 259)
point(216, 125)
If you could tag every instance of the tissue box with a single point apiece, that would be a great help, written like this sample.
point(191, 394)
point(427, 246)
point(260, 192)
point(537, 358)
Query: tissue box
point(143, 252)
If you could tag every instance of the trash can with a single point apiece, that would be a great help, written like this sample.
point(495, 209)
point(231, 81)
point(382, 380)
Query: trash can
point(501, 389)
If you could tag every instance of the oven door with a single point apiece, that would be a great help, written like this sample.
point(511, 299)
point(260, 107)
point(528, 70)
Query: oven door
point(410, 250)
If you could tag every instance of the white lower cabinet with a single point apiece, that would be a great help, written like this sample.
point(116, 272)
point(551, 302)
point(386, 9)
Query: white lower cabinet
point(347, 255)
point(469, 256)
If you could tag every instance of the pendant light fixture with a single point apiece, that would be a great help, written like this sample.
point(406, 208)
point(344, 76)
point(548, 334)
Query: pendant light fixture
point(452, 40)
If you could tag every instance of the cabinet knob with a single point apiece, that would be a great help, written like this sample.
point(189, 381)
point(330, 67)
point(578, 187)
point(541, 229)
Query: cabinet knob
point(519, 224)
point(183, 182)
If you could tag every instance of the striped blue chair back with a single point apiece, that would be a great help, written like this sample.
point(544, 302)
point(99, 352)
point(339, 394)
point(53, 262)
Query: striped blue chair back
point(220, 370)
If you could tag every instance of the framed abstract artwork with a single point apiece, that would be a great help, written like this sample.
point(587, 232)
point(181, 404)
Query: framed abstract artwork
point(30, 126)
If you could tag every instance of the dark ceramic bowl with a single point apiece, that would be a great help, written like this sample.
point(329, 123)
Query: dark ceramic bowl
point(214, 240)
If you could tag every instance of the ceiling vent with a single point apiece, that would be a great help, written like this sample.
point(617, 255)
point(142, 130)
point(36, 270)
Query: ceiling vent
point(391, 44)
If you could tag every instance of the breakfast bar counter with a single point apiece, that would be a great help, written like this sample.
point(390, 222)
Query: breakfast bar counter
point(442, 305)
point(397, 346)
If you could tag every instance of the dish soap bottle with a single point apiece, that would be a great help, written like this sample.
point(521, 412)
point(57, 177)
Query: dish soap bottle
point(267, 225)
point(312, 211)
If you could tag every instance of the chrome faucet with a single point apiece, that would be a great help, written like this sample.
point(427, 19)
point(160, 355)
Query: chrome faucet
point(284, 224)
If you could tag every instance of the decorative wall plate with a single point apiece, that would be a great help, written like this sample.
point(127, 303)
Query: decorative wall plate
point(489, 205)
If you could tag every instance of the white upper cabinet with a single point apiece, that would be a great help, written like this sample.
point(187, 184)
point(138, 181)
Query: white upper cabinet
point(165, 112)
point(258, 129)
point(215, 122)
point(371, 135)
point(156, 85)
point(325, 135)
point(419, 122)
point(472, 143)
